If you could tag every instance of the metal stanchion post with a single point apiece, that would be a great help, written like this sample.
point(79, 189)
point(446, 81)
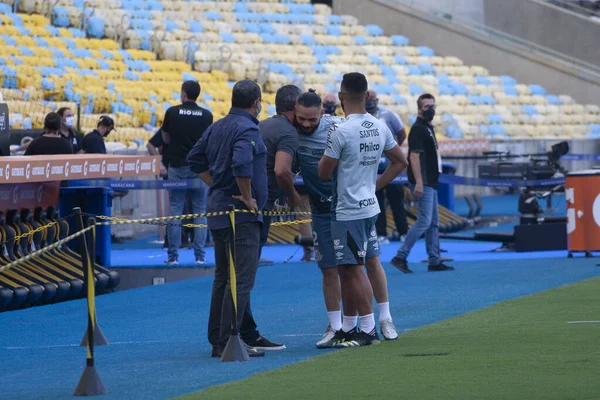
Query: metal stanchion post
point(90, 383)
point(99, 338)
point(235, 349)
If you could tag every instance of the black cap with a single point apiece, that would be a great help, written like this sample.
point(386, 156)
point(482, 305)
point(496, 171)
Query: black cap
point(52, 122)
point(107, 121)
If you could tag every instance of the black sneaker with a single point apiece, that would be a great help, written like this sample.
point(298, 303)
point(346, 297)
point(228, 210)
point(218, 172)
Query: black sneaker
point(358, 339)
point(217, 352)
point(263, 343)
point(439, 267)
point(337, 338)
point(401, 265)
point(171, 261)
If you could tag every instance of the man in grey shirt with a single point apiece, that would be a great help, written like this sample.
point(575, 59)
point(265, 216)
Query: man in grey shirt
point(394, 193)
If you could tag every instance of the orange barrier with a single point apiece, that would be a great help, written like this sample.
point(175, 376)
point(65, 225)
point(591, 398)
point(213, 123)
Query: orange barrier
point(78, 166)
point(582, 194)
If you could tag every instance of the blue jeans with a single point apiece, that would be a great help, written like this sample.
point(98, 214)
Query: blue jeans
point(177, 201)
point(427, 223)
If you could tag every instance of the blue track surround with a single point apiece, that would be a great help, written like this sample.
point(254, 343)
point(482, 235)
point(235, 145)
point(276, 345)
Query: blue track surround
point(158, 344)
point(192, 183)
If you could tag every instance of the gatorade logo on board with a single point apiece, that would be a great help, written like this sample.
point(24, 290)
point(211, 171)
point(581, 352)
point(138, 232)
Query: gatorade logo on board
point(154, 165)
point(67, 170)
point(121, 167)
point(137, 166)
point(28, 171)
point(85, 168)
point(103, 168)
point(7, 175)
point(47, 170)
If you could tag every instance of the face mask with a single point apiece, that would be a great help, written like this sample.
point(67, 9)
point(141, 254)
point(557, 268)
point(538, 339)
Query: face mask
point(429, 114)
point(259, 110)
point(329, 108)
point(69, 122)
point(371, 105)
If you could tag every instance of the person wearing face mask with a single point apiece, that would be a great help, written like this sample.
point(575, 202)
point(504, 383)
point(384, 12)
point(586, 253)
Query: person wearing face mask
point(93, 142)
point(394, 193)
point(67, 129)
point(231, 159)
point(425, 167)
point(330, 104)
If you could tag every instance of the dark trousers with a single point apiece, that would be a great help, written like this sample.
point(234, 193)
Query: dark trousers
point(395, 197)
point(247, 243)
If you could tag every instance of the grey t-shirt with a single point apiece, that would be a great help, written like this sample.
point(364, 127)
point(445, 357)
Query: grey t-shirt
point(279, 134)
point(391, 119)
point(357, 144)
point(310, 151)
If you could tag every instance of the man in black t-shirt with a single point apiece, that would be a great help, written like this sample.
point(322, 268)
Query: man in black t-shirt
point(425, 166)
point(51, 141)
point(182, 127)
point(93, 142)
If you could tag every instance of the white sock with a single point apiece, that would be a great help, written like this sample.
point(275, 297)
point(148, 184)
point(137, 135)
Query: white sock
point(367, 323)
point(384, 311)
point(335, 320)
point(349, 323)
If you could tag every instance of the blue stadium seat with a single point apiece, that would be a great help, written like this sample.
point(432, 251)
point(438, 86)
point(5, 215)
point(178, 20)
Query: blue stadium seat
point(9, 77)
point(414, 70)
point(77, 33)
point(537, 90)
point(497, 130)
point(308, 40)
point(170, 25)
point(508, 80)
point(213, 16)
point(399, 40)
point(267, 28)
point(425, 51)
point(552, 99)
point(333, 30)
point(511, 90)
point(487, 99)
point(445, 89)
point(319, 68)
point(374, 30)
point(227, 37)
point(96, 27)
point(195, 27)
point(483, 80)
point(474, 100)
point(335, 19)
point(251, 27)
point(529, 109)
point(459, 88)
point(360, 40)
point(415, 89)
point(52, 30)
point(426, 68)
point(399, 99)
point(5, 8)
point(82, 53)
point(400, 60)
point(376, 60)
point(60, 16)
point(240, 7)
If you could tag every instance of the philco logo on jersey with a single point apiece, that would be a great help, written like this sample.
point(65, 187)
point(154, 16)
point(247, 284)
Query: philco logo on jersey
point(367, 202)
point(195, 113)
point(369, 147)
point(366, 124)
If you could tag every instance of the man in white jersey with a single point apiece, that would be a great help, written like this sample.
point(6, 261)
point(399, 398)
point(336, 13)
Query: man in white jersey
point(313, 125)
point(351, 158)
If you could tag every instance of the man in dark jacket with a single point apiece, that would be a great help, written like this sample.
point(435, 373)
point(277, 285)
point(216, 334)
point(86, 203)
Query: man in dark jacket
point(231, 158)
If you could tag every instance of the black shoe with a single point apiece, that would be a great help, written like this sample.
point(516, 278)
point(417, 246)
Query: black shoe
point(358, 339)
point(217, 352)
point(439, 267)
point(263, 343)
point(401, 265)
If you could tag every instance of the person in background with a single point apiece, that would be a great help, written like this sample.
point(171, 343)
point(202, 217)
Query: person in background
point(50, 142)
point(330, 104)
point(394, 193)
point(93, 142)
point(67, 129)
point(281, 139)
point(425, 167)
point(157, 146)
point(182, 127)
point(231, 159)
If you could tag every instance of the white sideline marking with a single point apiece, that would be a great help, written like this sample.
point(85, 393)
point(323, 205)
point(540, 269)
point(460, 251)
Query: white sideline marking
point(302, 334)
point(55, 346)
point(583, 322)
